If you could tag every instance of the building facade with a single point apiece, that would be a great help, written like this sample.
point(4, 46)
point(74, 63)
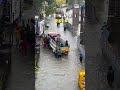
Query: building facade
point(11, 10)
point(15, 10)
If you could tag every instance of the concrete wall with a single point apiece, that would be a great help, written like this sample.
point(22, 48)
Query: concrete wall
point(97, 9)
point(1, 10)
point(112, 60)
point(92, 39)
point(111, 57)
point(89, 12)
point(15, 9)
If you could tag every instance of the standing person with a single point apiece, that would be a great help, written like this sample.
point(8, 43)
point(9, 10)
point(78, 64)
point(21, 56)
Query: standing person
point(65, 27)
point(18, 36)
point(59, 54)
point(24, 47)
point(66, 43)
point(110, 76)
point(61, 44)
point(81, 58)
point(58, 24)
point(48, 42)
point(43, 41)
point(56, 53)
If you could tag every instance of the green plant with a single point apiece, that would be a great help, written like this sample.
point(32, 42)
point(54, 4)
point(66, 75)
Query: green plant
point(38, 6)
point(70, 2)
point(51, 9)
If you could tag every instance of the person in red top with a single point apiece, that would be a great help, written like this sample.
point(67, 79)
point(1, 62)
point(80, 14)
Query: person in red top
point(24, 46)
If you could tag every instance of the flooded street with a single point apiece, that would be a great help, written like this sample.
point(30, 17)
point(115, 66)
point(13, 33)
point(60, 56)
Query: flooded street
point(59, 74)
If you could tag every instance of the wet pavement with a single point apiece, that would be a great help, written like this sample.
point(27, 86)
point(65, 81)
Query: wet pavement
point(21, 76)
point(59, 74)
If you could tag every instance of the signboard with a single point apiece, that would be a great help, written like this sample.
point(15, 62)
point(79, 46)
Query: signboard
point(76, 5)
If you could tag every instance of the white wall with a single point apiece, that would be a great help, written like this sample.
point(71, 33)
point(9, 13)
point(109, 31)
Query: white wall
point(41, 26)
